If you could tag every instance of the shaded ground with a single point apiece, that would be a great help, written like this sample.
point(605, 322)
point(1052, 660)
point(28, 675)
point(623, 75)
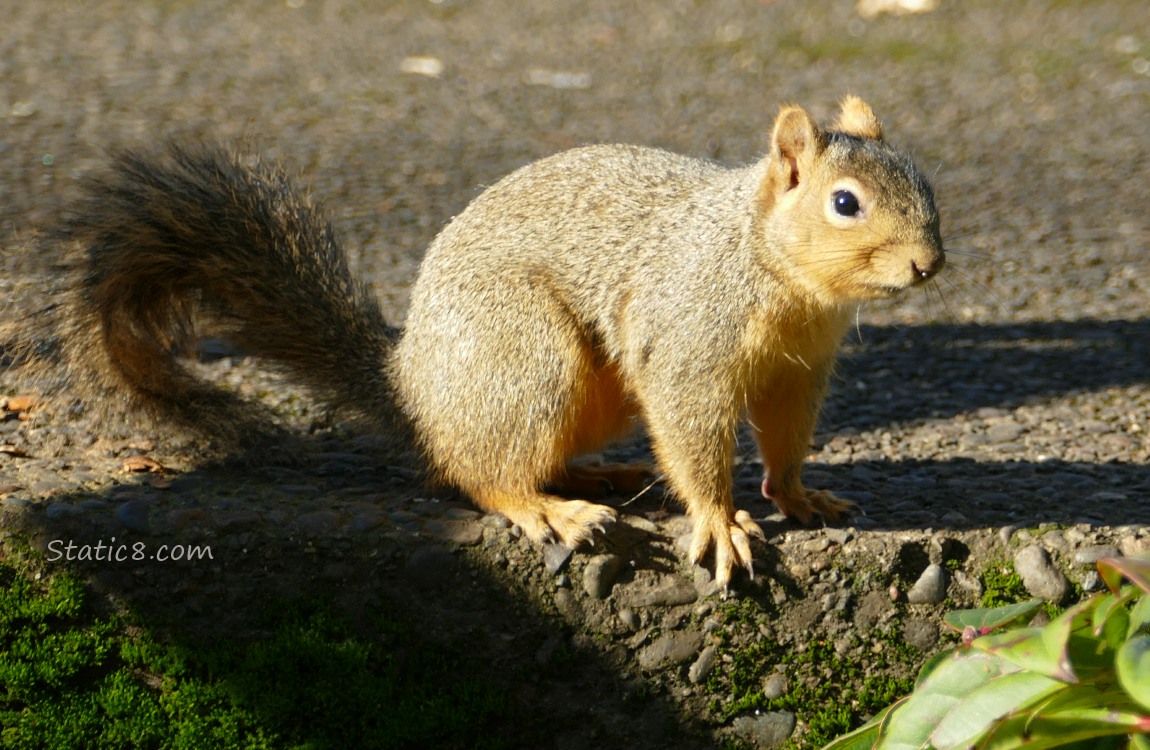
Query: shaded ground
point(1013, 395)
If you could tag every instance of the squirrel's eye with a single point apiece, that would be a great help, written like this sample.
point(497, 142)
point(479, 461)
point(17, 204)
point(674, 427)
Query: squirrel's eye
point(846, 204)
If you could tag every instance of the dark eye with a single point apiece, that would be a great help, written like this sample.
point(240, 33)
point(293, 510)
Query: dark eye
point(846, 204)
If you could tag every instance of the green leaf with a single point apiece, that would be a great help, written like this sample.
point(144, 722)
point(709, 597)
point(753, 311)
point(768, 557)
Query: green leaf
point(986, 620)
point(1133, 665)
point(938, 694)
point(1140, 742)
point(1030, 649)
point(1137, 569)
point(1139, 616)
point(1111, 618)
point(931, 664)
point(973, 715)
point(1055, 730)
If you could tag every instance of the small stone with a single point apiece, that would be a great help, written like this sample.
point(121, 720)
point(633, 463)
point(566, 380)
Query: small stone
point(922, 634)
point(668, 592)
point(930, 588)
point(599, 575)
point(953, 518)
point(1039, 576)
point(640, 523)
point(59, 511)
point(366, 521)
point(134, 514)
point(1005, 533)
point(430, 566)
point(1054, 540)
point(1091, 581)
point(670, 649)
point(775, 686)
point(568, 605)
point(318, 523)
point(1091, 555)
point(765, 730)
point(1005, 432)
point(629, 619)
point(1132, 547)
point(463, 533)
point(181, 517)
point(702, 665)
point(838, 536)
point(556, 557)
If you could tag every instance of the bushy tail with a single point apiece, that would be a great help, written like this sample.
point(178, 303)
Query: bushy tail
point(166, 240)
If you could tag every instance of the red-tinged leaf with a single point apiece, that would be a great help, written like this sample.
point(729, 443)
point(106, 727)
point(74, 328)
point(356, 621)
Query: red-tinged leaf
point(1027, 648)
point(1056, 730)
point(986, 620)
point(1137, 569)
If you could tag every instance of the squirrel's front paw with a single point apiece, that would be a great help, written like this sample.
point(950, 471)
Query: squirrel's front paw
point(729, 538)
point(807, 503)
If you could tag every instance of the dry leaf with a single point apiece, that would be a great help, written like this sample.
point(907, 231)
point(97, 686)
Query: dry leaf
point(134, 464)
point(12, 450)
point(19, 403)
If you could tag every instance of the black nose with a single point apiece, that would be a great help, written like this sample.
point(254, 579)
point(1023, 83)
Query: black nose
point(922, 273)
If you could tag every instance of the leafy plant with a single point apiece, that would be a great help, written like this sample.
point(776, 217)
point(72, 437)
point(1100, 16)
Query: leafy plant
point(1081, 681)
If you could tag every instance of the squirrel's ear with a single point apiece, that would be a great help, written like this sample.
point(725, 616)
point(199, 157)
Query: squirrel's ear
point(857, 118)
point(795, 144)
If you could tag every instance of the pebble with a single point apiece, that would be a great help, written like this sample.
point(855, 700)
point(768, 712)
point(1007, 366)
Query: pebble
point(59, 511)
point(670, 649)
point(1039, 576)
point(318, 523)
point(463, 533)
point(838, 536)
point(366, 521)
point(775, 686)
point(930, 588)
point(669, 591)
point(431, 566)
point(767, 730)
point(922, 634)
point(1091, 555)
point(556, 557)
point(600, 574)
point(181, 517)
point(134, 515)
point(702, 665)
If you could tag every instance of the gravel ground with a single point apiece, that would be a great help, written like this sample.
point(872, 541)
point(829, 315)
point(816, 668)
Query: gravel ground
point(1000, 415)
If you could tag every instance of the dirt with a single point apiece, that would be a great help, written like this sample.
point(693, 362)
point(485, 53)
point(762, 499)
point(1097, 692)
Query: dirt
point(1006, 407)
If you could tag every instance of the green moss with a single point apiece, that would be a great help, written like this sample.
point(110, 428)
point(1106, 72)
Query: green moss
point(1001, 585)
point(74, 677)
point(829, 691)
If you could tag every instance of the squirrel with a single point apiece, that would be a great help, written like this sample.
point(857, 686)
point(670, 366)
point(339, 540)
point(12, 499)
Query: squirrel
point(582, 291)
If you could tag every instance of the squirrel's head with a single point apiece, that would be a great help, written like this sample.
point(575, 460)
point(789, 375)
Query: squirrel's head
point(854, 218)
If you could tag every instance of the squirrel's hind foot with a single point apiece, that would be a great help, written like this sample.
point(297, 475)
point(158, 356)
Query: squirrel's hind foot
point(730, 540)
point(546, 518)
point(808, 503)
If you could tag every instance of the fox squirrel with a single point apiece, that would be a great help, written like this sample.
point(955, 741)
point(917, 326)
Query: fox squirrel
point(587, 288)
